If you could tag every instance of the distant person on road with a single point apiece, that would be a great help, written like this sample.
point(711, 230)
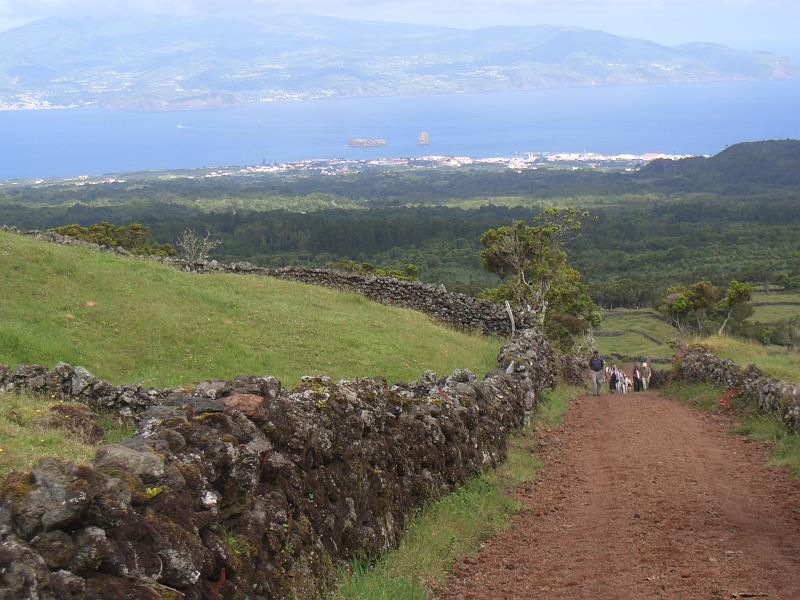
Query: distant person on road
point(596, 366)
point(647, 373)
point(637, 377)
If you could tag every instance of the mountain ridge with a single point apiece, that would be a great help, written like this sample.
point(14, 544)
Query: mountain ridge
point(200, 62)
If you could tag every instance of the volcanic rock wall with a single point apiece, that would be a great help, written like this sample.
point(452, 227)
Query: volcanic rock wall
point(241, 490)
point(771, 396)
point(77, 384)
point(458, 310)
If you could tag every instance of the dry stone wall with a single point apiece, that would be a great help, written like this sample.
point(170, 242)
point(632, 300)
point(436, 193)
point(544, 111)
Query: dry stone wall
point(243, 490)
point(77, 384)
point(457, 310)
point(771, 396)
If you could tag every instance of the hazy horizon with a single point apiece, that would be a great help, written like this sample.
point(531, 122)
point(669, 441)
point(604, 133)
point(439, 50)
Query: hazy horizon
point(768, 25)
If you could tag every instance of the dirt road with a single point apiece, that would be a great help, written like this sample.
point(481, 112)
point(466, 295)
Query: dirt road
point(642, 497)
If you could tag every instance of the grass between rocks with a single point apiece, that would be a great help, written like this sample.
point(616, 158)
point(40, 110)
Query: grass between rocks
point(785, 445)
point(454, 526)
point(25, 435)
point(137, 321)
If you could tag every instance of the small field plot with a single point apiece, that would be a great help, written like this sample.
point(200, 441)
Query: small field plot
point(635, 334)
point(775, 306)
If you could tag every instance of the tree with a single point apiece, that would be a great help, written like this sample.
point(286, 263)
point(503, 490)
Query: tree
point(536, 277)
point(676, 307)
point(528, 258)
point(701, 296)
point(194, 248)
point(134, 237)
point(571, 311)
point(736, 304)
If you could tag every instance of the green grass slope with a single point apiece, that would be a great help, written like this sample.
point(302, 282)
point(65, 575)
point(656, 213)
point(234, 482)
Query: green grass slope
point(135, 321)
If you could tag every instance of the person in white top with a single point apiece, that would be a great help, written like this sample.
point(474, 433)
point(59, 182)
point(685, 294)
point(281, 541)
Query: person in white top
point(647, 373)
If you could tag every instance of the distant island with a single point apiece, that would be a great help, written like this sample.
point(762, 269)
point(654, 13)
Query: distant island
point(152, 64)
point(365, 143)
point(424, 139)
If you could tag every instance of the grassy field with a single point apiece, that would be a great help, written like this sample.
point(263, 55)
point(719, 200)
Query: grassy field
point(645, 335)
point(770, 314)
point(776, 361)
point(25, 436)
point(454, 526)
point(135, 321)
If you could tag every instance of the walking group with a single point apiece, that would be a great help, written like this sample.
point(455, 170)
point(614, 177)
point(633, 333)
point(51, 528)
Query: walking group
point(619, 381)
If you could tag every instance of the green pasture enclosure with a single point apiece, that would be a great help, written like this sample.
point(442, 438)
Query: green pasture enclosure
point(136, 321)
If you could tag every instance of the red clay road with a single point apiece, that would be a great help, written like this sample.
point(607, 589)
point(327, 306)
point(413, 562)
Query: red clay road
point(642, 497)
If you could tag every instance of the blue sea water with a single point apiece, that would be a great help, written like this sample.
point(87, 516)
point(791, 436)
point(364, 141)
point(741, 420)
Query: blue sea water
point(679, 119)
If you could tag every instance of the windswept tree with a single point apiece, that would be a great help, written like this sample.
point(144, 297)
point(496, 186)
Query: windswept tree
point(536, 277)
point(735, 306)
point(675, 307)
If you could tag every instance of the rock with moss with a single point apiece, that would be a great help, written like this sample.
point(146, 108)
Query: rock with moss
point(241, 489)
point(768, 395)
point(77, 420)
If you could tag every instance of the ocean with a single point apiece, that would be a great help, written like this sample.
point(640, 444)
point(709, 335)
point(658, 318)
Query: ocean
point(677, 119)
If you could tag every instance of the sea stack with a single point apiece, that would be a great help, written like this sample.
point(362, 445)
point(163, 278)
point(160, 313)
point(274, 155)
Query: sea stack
point(424, 139)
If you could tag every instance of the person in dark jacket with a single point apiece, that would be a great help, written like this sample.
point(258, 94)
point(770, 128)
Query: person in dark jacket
point(596, 366)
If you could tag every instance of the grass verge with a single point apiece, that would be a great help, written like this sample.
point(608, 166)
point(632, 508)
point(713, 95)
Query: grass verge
point(785, 445)
point(698, 395)
point(25, 435)
point(454, 526)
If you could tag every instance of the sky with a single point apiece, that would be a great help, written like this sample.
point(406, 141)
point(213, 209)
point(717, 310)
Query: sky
point(746, 24)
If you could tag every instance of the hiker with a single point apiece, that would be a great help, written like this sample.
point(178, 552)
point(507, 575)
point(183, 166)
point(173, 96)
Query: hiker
point(613, 379)
point(637, 377)
point(596, 366)
point(647, 373)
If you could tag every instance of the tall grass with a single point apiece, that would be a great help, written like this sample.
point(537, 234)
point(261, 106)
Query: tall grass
point(454, 526)
point(136, 321)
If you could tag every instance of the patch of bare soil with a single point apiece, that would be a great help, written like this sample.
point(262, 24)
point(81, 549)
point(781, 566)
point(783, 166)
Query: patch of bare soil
point(642, 497)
